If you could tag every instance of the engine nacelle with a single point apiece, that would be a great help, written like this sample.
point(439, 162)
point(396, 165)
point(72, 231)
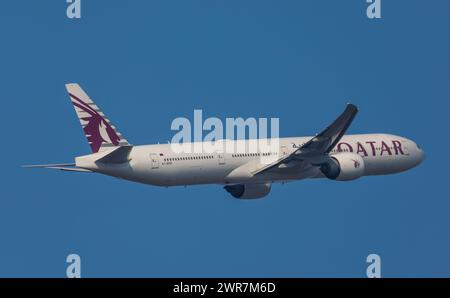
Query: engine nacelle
point(344, 167)
point(248, 191)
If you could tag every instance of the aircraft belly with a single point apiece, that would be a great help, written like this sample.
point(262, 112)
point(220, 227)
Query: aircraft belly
point(191, 175)
point(381, 165)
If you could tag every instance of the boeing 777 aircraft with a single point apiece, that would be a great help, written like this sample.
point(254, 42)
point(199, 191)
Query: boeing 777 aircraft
point(330, 154)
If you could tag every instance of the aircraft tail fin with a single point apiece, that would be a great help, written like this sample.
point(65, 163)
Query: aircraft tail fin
point(99, 131)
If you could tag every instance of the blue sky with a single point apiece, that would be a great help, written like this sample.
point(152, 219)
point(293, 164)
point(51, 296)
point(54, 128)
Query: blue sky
point(147, 62)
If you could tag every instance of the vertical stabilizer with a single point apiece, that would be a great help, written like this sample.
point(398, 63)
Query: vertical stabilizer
point(99, 131)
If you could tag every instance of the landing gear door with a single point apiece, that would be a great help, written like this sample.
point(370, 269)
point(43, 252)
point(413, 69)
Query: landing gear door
point(154, 159)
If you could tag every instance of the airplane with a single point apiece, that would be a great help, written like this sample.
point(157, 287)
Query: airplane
point(330, 154)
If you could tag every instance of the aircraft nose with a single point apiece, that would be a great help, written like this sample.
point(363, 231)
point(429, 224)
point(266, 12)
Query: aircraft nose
point(420, 154)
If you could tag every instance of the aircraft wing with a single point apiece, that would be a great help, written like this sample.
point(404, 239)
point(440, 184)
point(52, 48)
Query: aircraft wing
point(316, 150)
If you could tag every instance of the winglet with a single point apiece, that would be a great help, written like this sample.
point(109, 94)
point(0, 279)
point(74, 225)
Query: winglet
point(330, 136)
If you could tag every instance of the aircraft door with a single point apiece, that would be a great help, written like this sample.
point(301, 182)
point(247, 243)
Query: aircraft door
point(154, 160)
point(221, 158)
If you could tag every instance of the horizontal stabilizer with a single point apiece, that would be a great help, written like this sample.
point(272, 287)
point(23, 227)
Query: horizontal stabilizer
point(63, 167)
point(119, 155)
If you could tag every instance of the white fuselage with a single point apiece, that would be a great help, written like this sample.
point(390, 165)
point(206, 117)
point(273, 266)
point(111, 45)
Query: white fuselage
point(160, 165)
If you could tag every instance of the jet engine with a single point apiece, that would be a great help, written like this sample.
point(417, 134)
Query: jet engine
point(343, 167)
point(248, 191)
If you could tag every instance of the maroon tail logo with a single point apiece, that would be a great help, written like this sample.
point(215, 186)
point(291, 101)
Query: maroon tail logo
point(97, 129)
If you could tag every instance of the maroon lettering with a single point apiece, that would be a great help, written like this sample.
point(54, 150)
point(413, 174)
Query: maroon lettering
point(350, 148)
point(398, 147)
point(372, 145)
point(361, 149)
point(385, 148)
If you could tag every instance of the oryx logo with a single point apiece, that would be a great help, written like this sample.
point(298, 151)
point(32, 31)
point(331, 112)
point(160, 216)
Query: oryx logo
point(96, 128)
point(356, 164)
